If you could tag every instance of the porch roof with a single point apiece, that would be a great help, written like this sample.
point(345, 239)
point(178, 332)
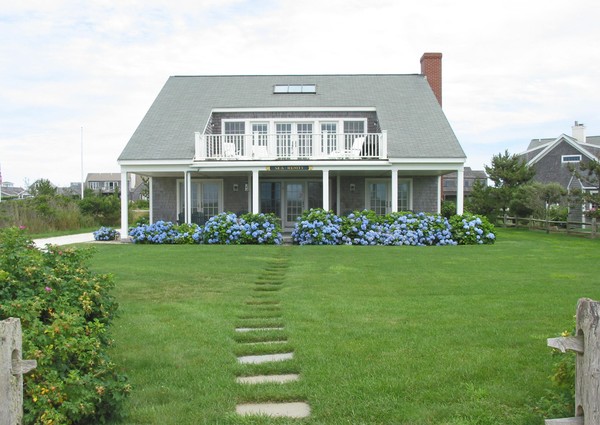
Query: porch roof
point(405, 104)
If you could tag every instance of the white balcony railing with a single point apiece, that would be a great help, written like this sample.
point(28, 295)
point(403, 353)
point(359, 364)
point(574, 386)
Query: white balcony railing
point(304, 146)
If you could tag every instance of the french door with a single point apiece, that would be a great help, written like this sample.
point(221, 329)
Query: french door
point(289, 199)
point(378, 195)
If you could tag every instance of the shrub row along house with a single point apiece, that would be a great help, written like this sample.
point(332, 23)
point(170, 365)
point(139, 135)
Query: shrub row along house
point(283, 144)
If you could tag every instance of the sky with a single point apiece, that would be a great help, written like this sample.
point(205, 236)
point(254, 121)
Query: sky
point(76, 78)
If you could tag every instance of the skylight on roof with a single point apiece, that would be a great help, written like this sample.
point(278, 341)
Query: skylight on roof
point(295, 88)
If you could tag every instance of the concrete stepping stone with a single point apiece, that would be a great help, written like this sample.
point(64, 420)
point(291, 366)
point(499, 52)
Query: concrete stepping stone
point(258, 329)
point(285, 410)
point(280, 341)
point(267, 379)
point(265, 358)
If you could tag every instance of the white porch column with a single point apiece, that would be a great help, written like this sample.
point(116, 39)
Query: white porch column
point(150, 200)
point(326, 190)
point(439, 195)
point(255, 187)
point(394, 187)
point(338, 195)
point(124, 205)
point(460, 193)
point(187, 193)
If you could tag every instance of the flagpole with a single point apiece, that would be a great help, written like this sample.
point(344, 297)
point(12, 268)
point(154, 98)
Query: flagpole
point(81, 162)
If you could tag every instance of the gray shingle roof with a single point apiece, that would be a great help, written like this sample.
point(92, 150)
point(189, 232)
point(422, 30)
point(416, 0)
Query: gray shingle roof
point(406, 108)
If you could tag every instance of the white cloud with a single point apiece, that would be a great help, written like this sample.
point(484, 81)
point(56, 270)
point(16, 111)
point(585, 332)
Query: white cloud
point(512, 70)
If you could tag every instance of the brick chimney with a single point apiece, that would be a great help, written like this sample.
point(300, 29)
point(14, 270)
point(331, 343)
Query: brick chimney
point(579, 132)
point(431, 68)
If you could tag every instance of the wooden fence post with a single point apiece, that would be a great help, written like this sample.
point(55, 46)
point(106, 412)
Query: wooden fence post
point(12, 368)
point(586, 343)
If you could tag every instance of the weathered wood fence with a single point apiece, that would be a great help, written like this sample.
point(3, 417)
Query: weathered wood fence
point(589, 228)
point(586, 343)
point(12, 368)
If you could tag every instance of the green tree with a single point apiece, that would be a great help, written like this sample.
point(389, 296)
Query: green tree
point(534, 199)
point(480, 200)
point(508, 172)
point(105, 209)
point(590, 173)
point(42, 187)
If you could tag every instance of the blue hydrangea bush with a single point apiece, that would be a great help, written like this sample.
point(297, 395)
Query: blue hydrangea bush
point(228, 228)
point(320, 227)
point(469, 229)
point(166, 232)
point(106, 234)
point(224, 228)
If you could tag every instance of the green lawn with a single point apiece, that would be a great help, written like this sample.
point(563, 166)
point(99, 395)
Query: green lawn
point(381, 335)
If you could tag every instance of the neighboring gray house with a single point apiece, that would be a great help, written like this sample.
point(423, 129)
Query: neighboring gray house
point(103, 183)
point(287, 143)
point(470, 177)
point(551, 159)
point(10, 191)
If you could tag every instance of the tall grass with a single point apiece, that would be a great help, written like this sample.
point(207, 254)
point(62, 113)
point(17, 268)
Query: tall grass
point(44, 214)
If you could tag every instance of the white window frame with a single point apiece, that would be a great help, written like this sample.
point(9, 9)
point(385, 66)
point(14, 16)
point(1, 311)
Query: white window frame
point(271, 123)
point(199, 181)
point(563, 159)
point(388, 183)
point(410, 193)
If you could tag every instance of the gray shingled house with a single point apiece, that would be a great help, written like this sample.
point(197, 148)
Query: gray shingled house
point(287, 143)
point(551, 158)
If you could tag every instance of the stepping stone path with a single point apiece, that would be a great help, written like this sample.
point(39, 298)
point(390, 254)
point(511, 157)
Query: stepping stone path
point(262, 325)
point(288, 410)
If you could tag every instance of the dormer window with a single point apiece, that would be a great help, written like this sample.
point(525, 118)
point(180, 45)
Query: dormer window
point(295, 88)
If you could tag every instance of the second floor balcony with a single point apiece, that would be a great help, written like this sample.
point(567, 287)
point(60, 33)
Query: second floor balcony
point(301, 146)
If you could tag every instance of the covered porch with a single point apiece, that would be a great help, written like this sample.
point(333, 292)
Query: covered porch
point(194, 194)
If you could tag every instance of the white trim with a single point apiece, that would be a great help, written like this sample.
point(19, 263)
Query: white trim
point(439, 195)
point(369, 181)
point(153, 162)
point(326, 199)
point(562, 159)
point(300, 109)
point(394, 189)
point(178, 181)
point(563, 138)
point(255, 191)
point(338, 195)
point(124, 205)
point(454, 161)
point(410, 181)
point(460, 191)
point(151, 199)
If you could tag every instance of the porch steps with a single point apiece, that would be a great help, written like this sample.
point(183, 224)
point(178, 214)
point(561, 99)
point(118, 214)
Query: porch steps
point(264, 309)
point(287, 238)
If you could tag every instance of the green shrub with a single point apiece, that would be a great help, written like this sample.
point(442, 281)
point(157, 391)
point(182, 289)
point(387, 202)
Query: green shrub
point(448, 209)
point(469, 229)
point(559, 401)
point(65, 312)
point(105, 209)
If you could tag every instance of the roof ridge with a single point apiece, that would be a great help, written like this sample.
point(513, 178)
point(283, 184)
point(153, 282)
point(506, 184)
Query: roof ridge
point(295, 75)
